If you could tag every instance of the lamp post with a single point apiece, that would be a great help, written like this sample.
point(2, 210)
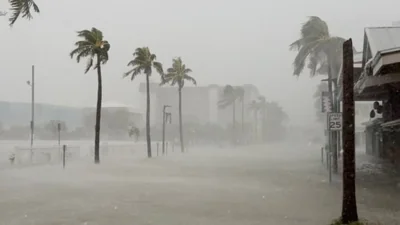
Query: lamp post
point(32, 124)
point(165, 114)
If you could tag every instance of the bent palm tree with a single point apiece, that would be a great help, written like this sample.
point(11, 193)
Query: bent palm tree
point(22, 8)
point(144, 62)
point(96, 48)
point(316, 44)
point(177, 74)
point(229, 97)
point(323, 52)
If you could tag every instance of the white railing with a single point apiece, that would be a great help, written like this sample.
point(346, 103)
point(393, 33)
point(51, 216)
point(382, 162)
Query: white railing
point(118, 149)
point(44, 154)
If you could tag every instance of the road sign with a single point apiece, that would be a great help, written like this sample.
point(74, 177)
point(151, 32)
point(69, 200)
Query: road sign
point(335, 122)
point(326, 104)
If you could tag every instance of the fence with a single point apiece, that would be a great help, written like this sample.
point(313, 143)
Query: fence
point(119, 149)
point(45, 154)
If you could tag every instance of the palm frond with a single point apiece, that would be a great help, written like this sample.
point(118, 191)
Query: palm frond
point(189, 78)
point(89, 65)
point(158, 67)
point(92, 45)
point(295, 46)
point(133, 73)
point(187, 70)
point(22, 8)
point(167, 78)
point(222, 104)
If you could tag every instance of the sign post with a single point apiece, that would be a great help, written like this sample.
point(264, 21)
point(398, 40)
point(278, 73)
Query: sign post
point(334, 123)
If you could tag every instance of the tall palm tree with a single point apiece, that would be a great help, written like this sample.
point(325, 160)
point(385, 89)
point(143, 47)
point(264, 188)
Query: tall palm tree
point(177, 75)
point(229, 97)
point(93, 46)
point(22, 8)
point(323, 52)
point(144, 62)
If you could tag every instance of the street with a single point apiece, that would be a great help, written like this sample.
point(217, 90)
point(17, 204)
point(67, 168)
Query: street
point(272, 184)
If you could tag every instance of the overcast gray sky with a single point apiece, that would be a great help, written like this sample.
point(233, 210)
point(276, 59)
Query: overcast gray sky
point(223, 41)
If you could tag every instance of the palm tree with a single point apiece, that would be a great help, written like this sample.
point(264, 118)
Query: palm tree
point(262, 104)
point(144, 62)
point(229, 98)
point(22, 8)
point(323, 52)
point(96, 48)
point(178, 74)
point(134, 131)
point(255, 107)
point(316, 44)
point(240, 96)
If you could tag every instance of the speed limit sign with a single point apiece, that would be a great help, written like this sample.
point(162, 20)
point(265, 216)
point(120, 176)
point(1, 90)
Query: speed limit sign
point(335, 122)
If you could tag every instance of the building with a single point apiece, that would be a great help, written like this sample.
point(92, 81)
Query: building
point(199, 103)
point(113, 111)
point(378, 80)
point(19, 114)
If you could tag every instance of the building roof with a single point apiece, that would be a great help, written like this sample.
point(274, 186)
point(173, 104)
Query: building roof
point(382, 38)
point(116, 105)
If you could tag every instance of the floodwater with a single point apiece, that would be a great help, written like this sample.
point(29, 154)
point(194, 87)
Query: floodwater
point(272, 184)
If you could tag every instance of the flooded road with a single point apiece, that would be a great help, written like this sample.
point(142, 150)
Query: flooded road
point(272, 184)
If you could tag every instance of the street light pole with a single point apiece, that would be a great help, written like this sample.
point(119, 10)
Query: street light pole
point(163, 131)
point(32, 124)
point(33, 105)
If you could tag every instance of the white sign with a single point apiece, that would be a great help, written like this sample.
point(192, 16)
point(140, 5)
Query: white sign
point(335, 122)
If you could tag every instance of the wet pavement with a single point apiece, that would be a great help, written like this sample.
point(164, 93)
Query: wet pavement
point(272, 184)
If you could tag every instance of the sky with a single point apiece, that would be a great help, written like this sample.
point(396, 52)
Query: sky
point(223, 41)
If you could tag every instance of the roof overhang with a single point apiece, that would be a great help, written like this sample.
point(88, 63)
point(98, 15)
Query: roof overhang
point(384, 59)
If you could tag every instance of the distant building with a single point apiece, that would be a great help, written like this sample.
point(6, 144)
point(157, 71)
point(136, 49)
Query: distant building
point(199, 103)
point(19, 114)
point(135, 115)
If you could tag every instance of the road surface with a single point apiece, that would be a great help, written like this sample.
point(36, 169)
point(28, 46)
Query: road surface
point(273, 184)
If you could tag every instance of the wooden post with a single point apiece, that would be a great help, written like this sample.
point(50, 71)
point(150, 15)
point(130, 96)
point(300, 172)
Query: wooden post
point(349, 204)
point(64, 152)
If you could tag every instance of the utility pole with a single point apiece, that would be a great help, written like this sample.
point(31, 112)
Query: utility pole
point(32, 124)
point(349, 204)
point(163, 131)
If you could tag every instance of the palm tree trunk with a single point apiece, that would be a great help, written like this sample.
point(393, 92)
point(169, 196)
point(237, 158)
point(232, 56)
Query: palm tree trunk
point(98, 114)
point(234, 123)
point(349, 204)
point(148, 117)
point(180, 120)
